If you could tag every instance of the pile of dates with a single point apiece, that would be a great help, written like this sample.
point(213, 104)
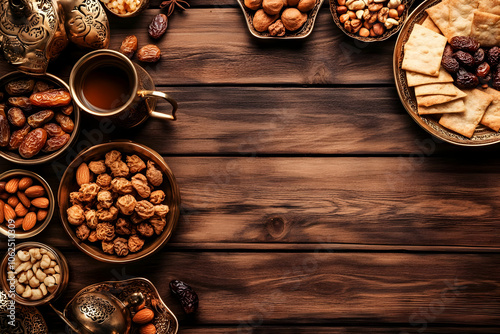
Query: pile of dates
point(470, 65)
point(35, 117)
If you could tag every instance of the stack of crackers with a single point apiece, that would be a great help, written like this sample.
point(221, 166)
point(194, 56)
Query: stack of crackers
point(460, 110)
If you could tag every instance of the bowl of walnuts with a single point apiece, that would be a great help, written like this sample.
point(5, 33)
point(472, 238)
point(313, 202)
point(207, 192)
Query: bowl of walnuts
point(119, 202)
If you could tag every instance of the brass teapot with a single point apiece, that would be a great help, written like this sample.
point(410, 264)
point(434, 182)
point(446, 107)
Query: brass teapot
point(32, 32)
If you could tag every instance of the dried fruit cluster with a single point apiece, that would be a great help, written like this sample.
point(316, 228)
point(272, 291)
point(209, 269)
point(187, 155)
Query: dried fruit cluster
point(149, 53)
point(26, 111)
point(121, 208)
point(23, 201)
point(471, 65)
point(36, 273)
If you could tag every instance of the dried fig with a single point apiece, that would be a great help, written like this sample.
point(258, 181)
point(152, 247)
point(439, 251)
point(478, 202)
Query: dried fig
point(262, 20)
point(272, 7)
point(306, 5)
point(293, 19)
point(253, 4)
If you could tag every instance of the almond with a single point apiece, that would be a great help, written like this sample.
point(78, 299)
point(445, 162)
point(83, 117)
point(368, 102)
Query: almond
point(2, 186)
point(12, 201)
point(41, 215)
point(2, 204)
point(9, 212)
point(34, 191)
point(147, 329)
point(25, 183)
point(83, 174)
point(40, 202)
point(20, 210)
point(12, 186)
point(143, 316)
point(18, 222)
point(29, 221)
point(4, 196)
point(25, 200)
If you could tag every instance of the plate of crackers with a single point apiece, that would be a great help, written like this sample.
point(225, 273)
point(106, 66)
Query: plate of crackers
point(447, 69)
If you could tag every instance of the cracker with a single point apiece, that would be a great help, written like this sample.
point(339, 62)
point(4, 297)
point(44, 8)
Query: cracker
point(491, 117)
point(429, 24)
point(437, 88)
point(476, 103)
point(489, 6)
point(417, 79)
point(430, 100)
point(486, 28)
point(455, 106)
point(423, 51)
point(440, 15)
point(461, 15)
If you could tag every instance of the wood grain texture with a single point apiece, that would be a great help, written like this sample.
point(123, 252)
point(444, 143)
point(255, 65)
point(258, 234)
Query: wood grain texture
point(340, 330)
point(248, 290)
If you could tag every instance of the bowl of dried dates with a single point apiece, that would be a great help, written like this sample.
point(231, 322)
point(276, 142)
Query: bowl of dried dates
point(26, 203)
point(38, 119)
point(119, 202)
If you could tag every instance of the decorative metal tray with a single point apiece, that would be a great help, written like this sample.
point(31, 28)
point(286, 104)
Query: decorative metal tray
point(28, 320)
point(482, 135)
point(301, 33)
point(164, 321)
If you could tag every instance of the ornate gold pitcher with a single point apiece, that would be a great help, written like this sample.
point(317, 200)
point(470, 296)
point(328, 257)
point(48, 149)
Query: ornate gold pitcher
point(32, 32)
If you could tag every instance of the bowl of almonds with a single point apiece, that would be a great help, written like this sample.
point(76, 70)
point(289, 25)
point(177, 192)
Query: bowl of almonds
point(38, 118)
point(26, 203)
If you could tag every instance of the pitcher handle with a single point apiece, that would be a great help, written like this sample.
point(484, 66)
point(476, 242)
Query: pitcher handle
point(156, 114)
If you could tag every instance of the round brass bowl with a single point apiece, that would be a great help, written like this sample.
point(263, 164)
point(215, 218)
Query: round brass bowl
point(387, 34)
point(143, 5)
point(169, 186)
point(61, 261)
point(13, 156)
point(20, 234)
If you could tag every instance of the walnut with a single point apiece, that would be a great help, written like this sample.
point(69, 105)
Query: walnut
point(157, 197)
point(108, 246)
point(112, 156)
point(105, 199)
point(89, 191)
point(144, 209)
point(104, 181)
point(121, 246)
point(82, 232)
point(126, 204)
point(107, 215)
point(158, 224)
point(122, 186)
point(161, 210)
point(140, 184)
point(97, 167)
point(93, 236)
point(91, 218)
point(135, 218)
point(145, 229)
point(277, 29)
point(154, 175)
point(135, 164)
point(105, 231)
point(75, 198)
point(123, 227)
point(75, 215)
point(119, 169)
point(135, 243)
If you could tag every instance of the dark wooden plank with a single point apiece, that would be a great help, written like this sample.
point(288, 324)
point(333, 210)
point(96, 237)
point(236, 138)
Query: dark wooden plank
point(248, 290)
point(319, 201)
point(337, 330)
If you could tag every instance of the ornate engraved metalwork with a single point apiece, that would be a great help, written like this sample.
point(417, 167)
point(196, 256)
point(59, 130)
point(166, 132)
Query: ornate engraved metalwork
point(28, 319)
point(95, 308)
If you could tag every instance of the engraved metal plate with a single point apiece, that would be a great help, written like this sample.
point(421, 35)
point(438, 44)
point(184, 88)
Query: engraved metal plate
point(27, 319)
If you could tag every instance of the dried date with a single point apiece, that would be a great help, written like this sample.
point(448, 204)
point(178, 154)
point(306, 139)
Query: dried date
point(186, 295)
point(483, 70)
point(450, 64)
point(22, 102)
point(149, 53)
point(65, 122)
point(33, 143)
point(53, 130)
point(479, 56)
point(55, 143)
point(464, 58)
point(68, 110)
point(129, 46)
point(40, 118)
point(18, 136)
point(464, 43)
point(20, 87)
point(495, 79)
point(51, 98)
point(42, 86)
point(4, 130)
point(16, 117)
point(158, 26)
point(494, 56)
point(466, 80)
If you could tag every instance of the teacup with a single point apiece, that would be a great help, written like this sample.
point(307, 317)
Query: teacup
point(107, 84)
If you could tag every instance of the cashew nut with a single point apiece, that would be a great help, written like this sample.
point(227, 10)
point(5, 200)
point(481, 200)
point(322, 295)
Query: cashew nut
point(390, 22)
point(43, 288)
point(43, 251)
point(20, 289)
point(34, 282)
point(58, 278)
point(29, 274)
point(49, 271)
point(36, 266)
point(51, 256)
point(36, 294)
point(53, 264)
point(57, 269)
point(45, 263)
point(23, 255)
point(23, 278)
point(52, 288)
point(40, 275)
point(27, 292)
point(394, 3)
point(49, 281)
point(25, 266)
point(35, 254)
point(17, 261)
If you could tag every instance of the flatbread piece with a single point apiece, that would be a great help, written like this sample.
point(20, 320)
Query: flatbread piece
point(417, 79)
point(491, 117)
point(456, 106)
point(461, 15)
point(429, 24)
point(486, 28)
point(489, 6)
point(437, 89)
point(440, 15)
point(430, 100)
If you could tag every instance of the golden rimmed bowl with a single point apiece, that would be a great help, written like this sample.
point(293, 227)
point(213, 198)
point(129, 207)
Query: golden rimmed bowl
point(482, 135)
point(142, 6)
point(40, 158)
point(169, 186)
point(40, 226)
point(61, 261)
point(388, 32)
point(303, 32)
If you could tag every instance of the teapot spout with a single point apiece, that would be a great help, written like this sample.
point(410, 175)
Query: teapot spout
point(21, 7)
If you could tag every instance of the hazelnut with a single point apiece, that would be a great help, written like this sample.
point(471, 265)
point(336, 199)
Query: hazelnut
point(306, 5)
point(293, 19)
point(363, 32)
point(372, 33)
point(400, 9)
point(253, 4)
point(343, 18)
point(367, 25)
point(272, 7)
point(262, 20)
point(393, 13)
point(341, 2)
point(341, 10)
point(378, 29)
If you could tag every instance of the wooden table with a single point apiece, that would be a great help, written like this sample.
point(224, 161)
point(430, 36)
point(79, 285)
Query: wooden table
point(312, 202)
